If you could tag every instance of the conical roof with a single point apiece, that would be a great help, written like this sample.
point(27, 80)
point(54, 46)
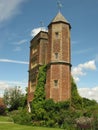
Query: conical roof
point(59, 18)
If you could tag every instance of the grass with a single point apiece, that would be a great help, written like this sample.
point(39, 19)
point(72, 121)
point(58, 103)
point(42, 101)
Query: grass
point(8, 126)
point(5, 119)
point(5, 124)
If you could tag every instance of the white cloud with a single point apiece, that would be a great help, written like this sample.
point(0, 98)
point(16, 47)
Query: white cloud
point(80, 70)
point(9, 8)
point(20, 42)
point(13, 61)
point(90, 93)
point(10, 84)
point(76, 79)
point(35, 31)
point(88, 65)
point(1, 94)
point(3, 85)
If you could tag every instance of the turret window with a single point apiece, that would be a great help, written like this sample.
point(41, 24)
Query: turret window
point(56, 34)
point(56, 55)
point(56, 83)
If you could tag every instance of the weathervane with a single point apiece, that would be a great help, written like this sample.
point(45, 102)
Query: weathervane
point(42, 25)
point(59, 5)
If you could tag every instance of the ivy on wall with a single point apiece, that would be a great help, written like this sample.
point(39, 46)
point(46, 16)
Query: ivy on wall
point(39, 94)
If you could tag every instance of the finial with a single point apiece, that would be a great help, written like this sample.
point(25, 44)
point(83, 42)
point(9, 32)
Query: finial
point(59, 5)
point(42, 25)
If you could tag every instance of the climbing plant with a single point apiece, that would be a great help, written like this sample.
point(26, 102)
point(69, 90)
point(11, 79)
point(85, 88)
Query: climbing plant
point(39, 94)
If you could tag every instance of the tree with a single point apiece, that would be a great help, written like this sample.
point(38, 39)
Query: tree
point(76, 99)
point(14, 98)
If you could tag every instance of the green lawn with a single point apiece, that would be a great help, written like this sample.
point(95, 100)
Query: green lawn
point(5, 119)
point(6, 124)
point(9, 126)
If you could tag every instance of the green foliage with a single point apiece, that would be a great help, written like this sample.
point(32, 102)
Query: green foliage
point(49, 105)
point(49, 113)
point(96, 121)
point(14, 98)
point(39, 94)
point(62, 105)
point(76, 100)
point(21, 116)
point(88, 102)
point(2, 109)
point(46, 112)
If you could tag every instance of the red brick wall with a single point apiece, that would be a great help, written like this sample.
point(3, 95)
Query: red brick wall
point(62, 74)
point(59, 70)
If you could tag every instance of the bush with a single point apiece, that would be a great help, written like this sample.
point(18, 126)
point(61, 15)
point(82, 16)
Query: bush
point(50, 123)
point(2, 109)
point(21, 116)
point(49, 105)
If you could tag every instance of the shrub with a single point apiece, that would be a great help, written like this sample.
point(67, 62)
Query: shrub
point(50, 123)
point(49, 105)
point(65, 105)
point(21, 116)
point(2, 109)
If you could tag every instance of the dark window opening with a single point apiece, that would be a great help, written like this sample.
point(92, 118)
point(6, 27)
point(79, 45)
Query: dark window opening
point(55, 83)
point(56, 55)
point(57, 34)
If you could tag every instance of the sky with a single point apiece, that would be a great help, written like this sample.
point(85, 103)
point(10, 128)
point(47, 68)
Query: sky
point(20, 21)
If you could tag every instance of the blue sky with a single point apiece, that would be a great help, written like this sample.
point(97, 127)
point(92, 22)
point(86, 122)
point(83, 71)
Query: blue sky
point(20, 20)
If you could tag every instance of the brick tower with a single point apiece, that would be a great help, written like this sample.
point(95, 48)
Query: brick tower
point(38, 48)
point(58, 82)
point(53, 49)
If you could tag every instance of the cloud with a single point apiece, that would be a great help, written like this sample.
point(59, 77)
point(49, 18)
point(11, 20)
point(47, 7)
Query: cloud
point(1, 94)
point(14, 61)
point(80, 70)
point(88, 65)
point(3, 85)
point(35, 31)
point(9, 8)
point(74, 42)
point(7, 84)
point(90, 93)
point(10, 84)
point(83, 51)
point(18, 48)
point(20, 42)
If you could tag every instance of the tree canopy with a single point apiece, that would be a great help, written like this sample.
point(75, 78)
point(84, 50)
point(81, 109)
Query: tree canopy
point(14, 98)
